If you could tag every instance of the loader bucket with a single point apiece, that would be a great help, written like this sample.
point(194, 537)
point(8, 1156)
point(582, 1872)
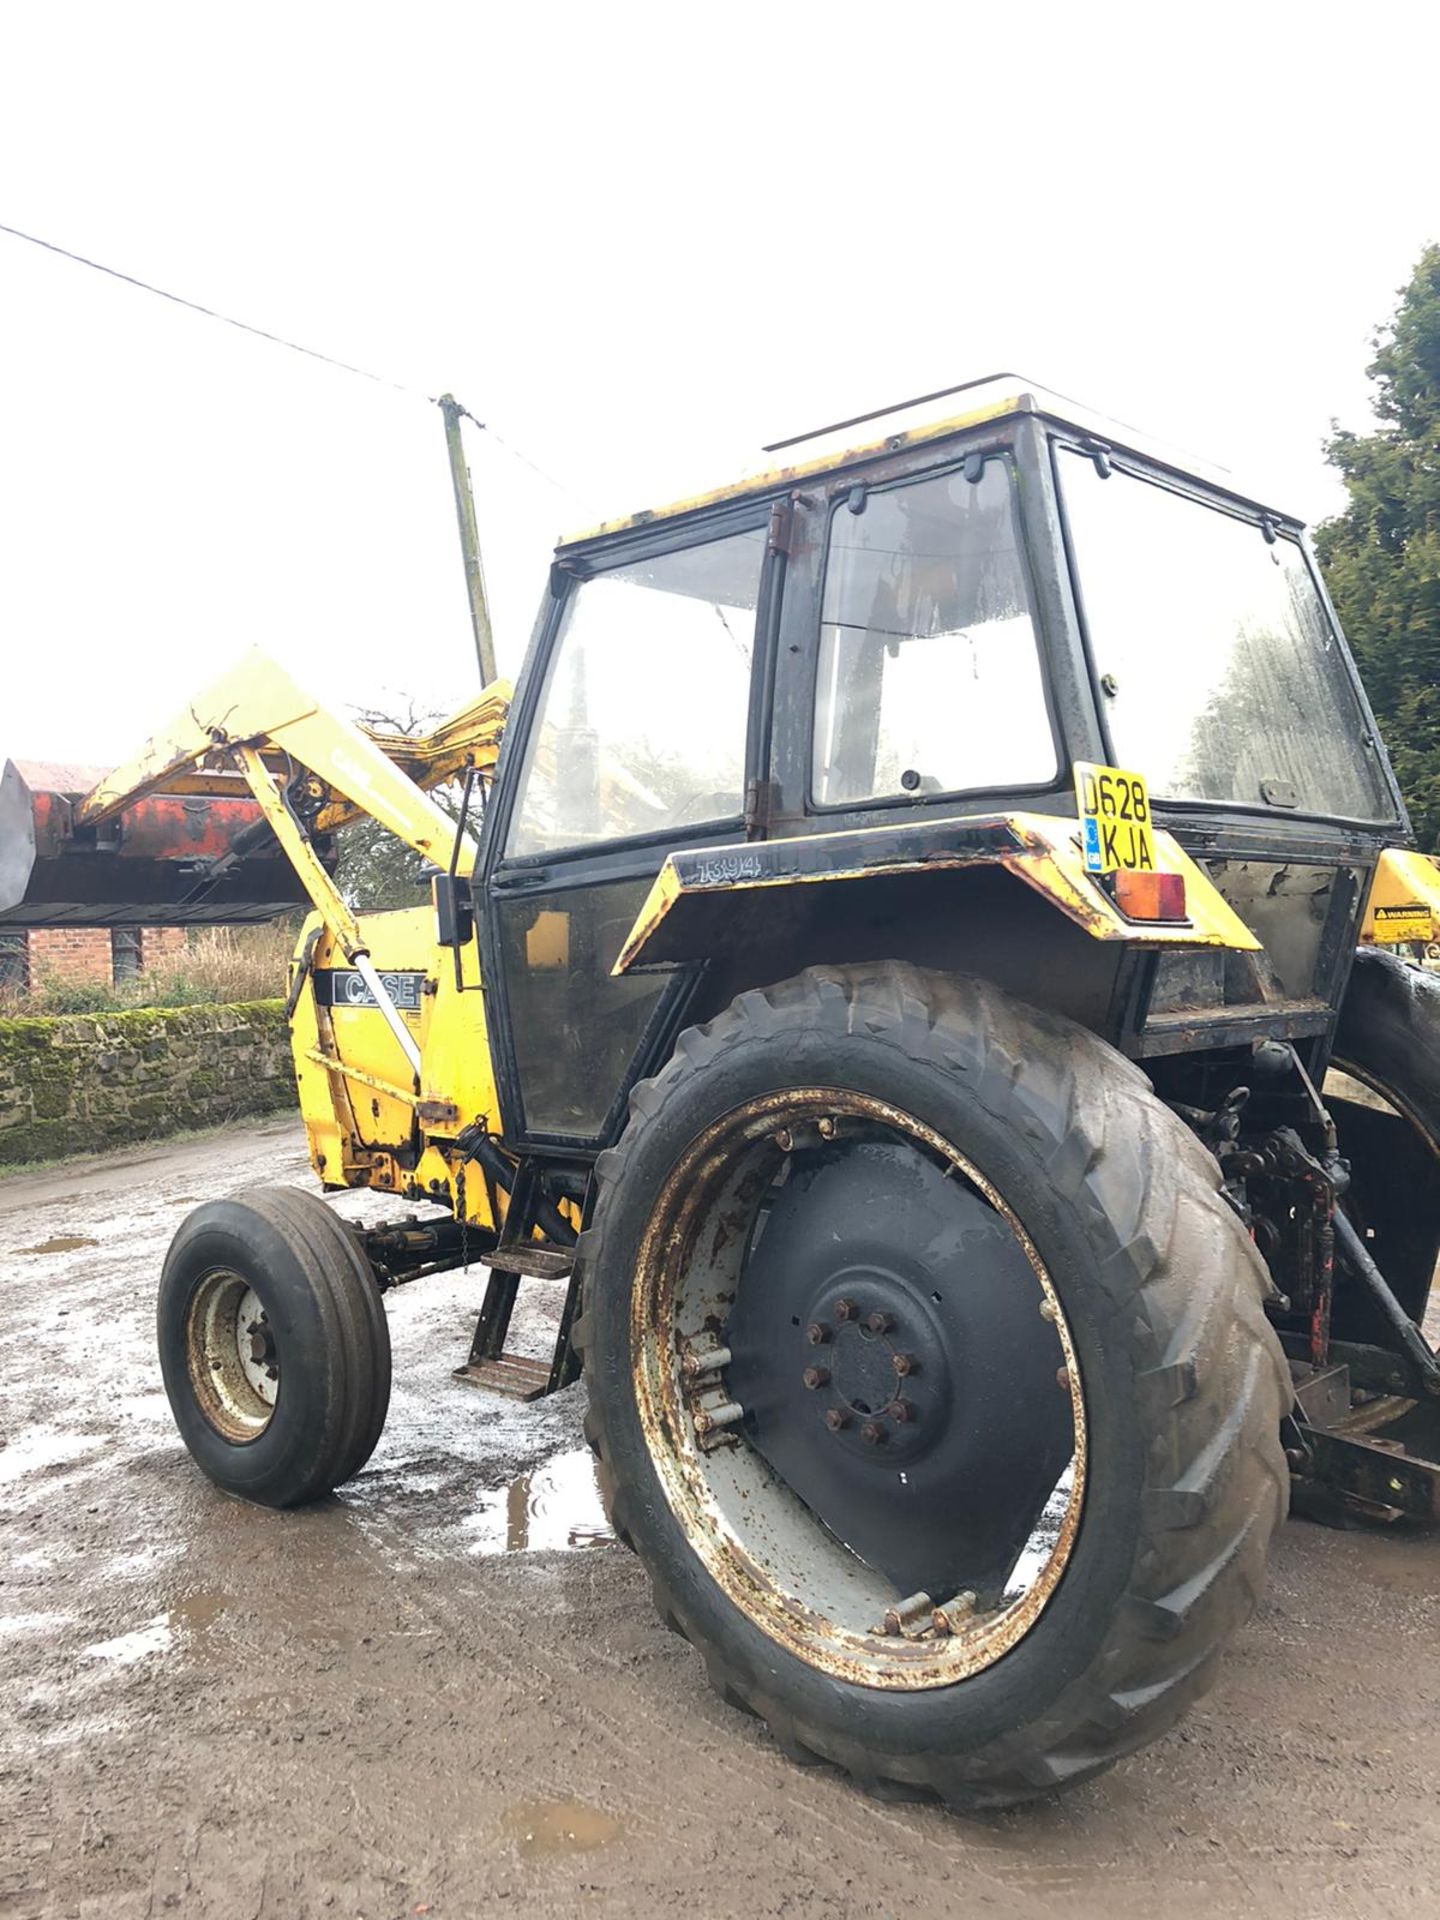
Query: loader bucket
point(169, 860)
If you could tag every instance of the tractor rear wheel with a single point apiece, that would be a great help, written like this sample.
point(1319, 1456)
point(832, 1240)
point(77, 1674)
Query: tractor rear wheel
point(929, 1379)
point(1388, 1040)
point(274, 1345)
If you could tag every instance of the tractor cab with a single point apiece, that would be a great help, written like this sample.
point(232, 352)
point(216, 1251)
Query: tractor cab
point(876, 667)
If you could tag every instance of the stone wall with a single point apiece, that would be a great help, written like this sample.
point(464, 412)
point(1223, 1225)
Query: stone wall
point(81, 1083)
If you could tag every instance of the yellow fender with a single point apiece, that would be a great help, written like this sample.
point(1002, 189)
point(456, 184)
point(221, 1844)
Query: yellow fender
point(1041, 849)
point(1404, 901)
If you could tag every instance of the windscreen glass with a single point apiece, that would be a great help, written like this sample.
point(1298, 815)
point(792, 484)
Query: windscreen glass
point(1221, 673)
point(929, 678)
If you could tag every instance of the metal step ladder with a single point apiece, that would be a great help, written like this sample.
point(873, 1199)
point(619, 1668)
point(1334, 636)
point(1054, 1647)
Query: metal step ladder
point(520, 1256)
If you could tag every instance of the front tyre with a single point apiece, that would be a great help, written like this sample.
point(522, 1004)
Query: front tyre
point(940, 1406)
point(274, 1345)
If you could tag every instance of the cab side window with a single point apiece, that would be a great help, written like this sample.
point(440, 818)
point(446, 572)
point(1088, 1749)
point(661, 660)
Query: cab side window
point(929, 678)
point(641, 725)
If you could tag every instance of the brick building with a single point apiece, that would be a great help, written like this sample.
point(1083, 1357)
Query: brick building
point(98, 956)
point(95, 956)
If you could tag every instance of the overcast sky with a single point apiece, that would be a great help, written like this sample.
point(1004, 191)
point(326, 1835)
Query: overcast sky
point(639, 241)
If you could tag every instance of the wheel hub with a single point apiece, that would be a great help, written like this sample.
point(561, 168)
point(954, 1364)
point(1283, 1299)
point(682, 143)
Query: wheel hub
point(882, 1368)
point(891, 1352)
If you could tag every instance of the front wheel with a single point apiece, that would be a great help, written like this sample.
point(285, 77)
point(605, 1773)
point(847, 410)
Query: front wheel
point(941, 1406)
point(274, 1345)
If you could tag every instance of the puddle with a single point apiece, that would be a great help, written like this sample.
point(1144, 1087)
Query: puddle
point(191, 1615)
point(44, 1448)
point(556, 1505)
point(16, 1624)
point(62, 1243)
point(126, 1648)
point(558, 1826)
point(198, 1610)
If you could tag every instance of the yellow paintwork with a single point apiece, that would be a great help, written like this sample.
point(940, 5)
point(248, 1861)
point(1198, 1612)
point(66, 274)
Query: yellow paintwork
point(1404, 902)
point(353, 1123)
point(358, 1094)
point(258, 705)
point(1045, 854)
point(794, 474)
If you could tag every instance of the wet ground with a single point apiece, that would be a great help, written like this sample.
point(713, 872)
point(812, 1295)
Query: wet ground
point(444, 1692)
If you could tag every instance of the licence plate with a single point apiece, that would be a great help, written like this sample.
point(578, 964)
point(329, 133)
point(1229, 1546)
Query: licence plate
point(1115, 830)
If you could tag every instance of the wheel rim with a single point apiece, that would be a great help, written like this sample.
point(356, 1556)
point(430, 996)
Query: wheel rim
point(231, 1355)
point(779, 1439)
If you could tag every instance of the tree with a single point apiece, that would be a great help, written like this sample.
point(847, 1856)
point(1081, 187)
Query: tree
point(378, 871)
point(1382, 555)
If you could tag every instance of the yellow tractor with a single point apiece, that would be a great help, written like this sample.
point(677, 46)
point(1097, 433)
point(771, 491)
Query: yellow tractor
point(910, 964)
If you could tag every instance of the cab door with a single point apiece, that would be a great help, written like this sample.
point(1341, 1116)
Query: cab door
point(633, 736)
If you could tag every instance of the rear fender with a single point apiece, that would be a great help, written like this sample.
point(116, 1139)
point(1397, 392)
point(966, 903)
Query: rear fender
point(704, 900)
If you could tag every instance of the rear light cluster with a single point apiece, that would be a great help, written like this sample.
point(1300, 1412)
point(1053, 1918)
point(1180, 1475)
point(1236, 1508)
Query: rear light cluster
point(1150, 895)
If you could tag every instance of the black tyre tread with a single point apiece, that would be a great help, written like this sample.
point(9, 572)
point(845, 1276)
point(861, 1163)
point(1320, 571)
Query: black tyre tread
point(336, 1256)
point(1187, 1287)
point(356, 1334)
point(1389, 1031)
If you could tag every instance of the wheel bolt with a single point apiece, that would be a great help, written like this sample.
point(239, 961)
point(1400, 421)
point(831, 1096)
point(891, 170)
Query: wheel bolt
point(816, 1334)
point(845, 1310)
point(903, 1411)
point(903, 1363)
point(880, 1322)
point(872, 1433)
point(816, 1377)
point(835, 1419)
point(825, 1127)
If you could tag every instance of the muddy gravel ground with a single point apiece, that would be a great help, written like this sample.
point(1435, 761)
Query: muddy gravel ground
point(444, 1691)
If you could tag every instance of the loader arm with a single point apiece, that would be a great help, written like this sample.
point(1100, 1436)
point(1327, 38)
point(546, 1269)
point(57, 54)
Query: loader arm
point(310, 771)
point(259, 706)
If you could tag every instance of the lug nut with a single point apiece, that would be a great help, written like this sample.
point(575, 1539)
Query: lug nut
point(880, 1322)
point(951, 1617)
point(816, 1377)
point(825, 1127)
point(816, 1334)
point(903, 1363)
point(784, 1140)
point(872, 1433)
point(835, 1419)
point(723, 1416)
point(693, 1364)
point(902, 1410)
point(845, 1310)
point(907, 1613)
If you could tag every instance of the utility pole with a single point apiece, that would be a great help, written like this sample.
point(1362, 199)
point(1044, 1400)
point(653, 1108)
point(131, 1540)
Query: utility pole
point(469, 538)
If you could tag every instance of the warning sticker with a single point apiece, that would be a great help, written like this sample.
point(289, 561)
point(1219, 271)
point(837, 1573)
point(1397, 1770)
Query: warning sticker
point(1394, 924)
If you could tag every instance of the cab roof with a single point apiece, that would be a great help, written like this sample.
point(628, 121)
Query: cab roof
point(933, 416)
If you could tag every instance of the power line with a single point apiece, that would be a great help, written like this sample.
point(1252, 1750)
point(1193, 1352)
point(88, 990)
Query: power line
point(279, 340)
point(211, 313)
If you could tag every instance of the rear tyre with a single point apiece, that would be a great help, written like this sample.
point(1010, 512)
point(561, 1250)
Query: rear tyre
point(1079, 1192)
point(1388, 1039)
point(273, 1345)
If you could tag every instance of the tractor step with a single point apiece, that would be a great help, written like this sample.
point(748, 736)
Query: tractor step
point(521, 1256)
point(540, 1263)
point(514, 1374)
